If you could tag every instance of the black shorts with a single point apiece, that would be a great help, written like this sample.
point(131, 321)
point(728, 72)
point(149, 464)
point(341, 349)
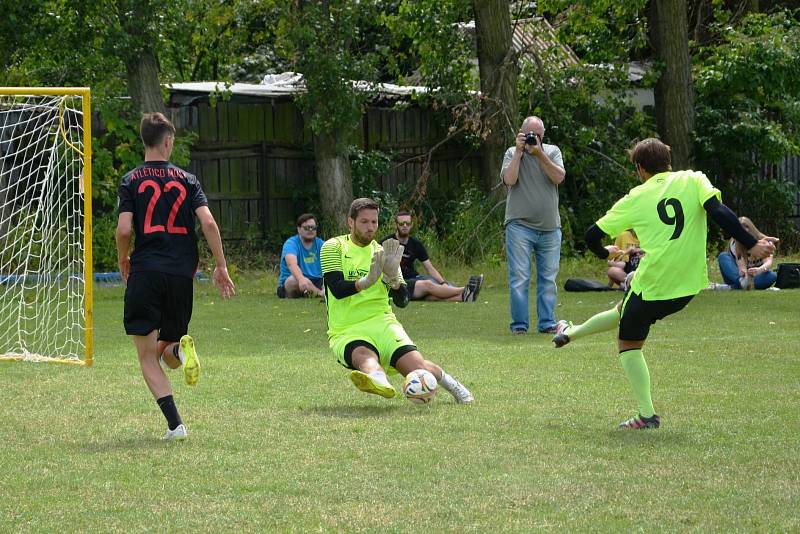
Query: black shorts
point(410, 283)
point(158, 301)
point(281, 291)
point(637, 314)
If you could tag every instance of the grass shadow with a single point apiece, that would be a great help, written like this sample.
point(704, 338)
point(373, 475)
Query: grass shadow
point(352, 412)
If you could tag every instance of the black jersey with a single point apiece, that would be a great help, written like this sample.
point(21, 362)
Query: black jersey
point(414, 250)
point(163, 199)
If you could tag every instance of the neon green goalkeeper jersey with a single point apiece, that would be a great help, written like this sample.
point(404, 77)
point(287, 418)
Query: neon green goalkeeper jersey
point(668, 216)
point(342, 254)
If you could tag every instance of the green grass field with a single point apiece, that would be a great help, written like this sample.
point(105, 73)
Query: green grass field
point(281, 441)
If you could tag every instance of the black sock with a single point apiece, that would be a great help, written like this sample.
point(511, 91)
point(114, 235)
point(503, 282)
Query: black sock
point(170, 411)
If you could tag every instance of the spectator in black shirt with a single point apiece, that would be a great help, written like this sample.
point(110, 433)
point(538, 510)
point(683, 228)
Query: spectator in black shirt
point(158, 203)
point(432, 287)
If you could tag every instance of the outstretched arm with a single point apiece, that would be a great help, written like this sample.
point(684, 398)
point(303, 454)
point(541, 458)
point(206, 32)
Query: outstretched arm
point(723, 216)
point(594, 240)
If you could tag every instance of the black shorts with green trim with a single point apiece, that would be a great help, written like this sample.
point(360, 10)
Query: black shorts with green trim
point(637, 314)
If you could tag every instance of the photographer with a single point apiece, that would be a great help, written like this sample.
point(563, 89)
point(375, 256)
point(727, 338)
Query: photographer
point(532, 171)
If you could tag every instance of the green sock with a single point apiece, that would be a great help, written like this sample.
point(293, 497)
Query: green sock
point(601, 322)
point(639, 377)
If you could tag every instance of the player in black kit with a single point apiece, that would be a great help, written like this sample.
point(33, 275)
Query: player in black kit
point(158, 203)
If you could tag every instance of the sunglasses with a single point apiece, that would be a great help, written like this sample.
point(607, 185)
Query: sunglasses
point(309, 228)
point(404, 223)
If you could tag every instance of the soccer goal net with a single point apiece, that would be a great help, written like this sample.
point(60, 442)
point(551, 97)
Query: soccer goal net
point(45, 225)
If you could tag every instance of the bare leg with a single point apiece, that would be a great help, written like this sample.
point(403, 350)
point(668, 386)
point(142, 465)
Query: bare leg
point(166, 350)
point(413, 360)
point(616, 275)
point(433, 291)
point(365, 360)
point(292, 288)
point(157, 381)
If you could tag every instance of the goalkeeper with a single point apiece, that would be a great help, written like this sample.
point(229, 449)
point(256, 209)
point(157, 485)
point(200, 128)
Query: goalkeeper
point(360, 277)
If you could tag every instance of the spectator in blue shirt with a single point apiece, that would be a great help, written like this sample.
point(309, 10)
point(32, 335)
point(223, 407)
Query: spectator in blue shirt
point(301, 270)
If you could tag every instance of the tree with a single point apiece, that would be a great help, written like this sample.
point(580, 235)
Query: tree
point(499, 69)
point(673, 91)
point(327, 43)
point(748, 116)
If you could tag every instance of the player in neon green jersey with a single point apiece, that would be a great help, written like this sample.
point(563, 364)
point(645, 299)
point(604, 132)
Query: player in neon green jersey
point(360, 278)
point(668, 213)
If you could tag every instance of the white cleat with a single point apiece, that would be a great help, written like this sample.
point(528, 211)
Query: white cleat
point(179, 434)
point(460, 393)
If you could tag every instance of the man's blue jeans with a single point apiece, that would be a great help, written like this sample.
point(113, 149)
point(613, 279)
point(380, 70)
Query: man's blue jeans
point(730, 273)
point(521, 242)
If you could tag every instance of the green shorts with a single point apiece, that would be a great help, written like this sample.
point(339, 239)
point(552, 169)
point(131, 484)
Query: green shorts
point(386, 334)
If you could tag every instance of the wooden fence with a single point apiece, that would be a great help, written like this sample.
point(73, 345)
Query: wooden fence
point(255, 161)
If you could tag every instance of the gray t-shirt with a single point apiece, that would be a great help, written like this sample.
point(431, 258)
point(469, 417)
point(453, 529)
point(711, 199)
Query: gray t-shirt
point(533, 200)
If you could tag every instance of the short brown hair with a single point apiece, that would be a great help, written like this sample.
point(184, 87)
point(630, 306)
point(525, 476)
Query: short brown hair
point(154, 127)
point(305, 217)
point(361, 204)
point(402, 213)
point(653, 155)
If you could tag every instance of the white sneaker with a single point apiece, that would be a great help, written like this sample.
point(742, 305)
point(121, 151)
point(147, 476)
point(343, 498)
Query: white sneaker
point(460, 393)
point(179, 434)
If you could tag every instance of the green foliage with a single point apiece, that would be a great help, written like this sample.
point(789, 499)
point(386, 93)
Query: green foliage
point(366, 170)
point(748, 115)
point(326, 42)
point(428, 45)
point(600, 31)
point(104, 245)
point(473, 229)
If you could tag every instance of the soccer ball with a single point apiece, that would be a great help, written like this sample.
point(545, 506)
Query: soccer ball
point(420, 386)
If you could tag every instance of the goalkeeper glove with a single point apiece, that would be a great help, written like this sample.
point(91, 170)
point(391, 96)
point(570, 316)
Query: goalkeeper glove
point(392, 255)
point(375, 268)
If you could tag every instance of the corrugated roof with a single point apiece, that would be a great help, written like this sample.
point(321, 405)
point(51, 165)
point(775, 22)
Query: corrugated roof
point(287, 84)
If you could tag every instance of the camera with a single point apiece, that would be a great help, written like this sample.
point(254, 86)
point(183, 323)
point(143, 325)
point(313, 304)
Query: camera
point(531, 139)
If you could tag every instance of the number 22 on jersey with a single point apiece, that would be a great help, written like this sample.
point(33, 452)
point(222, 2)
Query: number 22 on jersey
point(149, 227)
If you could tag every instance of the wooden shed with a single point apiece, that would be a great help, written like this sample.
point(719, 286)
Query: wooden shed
point(254, 153)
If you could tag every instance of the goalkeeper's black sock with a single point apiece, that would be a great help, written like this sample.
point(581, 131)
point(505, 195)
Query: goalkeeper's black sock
point(170, 411)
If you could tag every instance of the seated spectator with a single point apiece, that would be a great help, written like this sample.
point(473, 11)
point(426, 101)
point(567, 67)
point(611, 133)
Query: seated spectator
point(432, 287)
point(301, 270)
point(625, 258)
point(739, 270)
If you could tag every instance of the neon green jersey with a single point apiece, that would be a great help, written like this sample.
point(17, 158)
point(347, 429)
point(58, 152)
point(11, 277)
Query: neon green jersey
point(667, 214)
point(342, 254)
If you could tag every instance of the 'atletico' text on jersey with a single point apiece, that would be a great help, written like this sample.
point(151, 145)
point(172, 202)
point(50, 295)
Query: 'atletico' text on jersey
point(163, 199)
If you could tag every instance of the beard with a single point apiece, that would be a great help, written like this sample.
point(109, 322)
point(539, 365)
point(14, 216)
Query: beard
point(362, 239)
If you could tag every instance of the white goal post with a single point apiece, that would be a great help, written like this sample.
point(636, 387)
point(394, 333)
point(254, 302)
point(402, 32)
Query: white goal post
point(46, 225)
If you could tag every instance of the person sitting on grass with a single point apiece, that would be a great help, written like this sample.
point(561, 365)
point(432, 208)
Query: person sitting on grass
point(432, 287)
point(301, 271)
point(742, 271)
point(625, 260)
point(361, 277)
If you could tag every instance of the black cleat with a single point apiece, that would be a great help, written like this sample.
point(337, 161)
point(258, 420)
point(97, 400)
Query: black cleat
point(561, 339)
point(641, 423)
